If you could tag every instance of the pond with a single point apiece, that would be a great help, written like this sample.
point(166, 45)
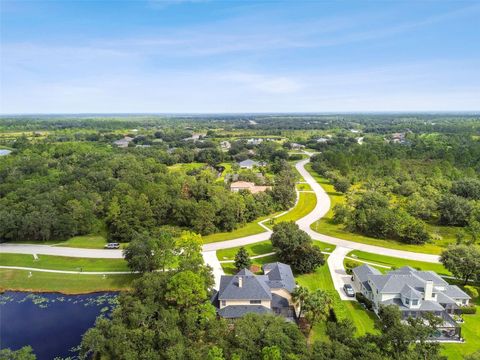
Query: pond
point(4, 152)
point(52, 324)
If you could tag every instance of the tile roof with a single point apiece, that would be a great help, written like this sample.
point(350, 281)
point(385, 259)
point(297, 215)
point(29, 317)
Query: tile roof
point(280, 276)
point(236, 311)
point(253, 287)
point(362, 272)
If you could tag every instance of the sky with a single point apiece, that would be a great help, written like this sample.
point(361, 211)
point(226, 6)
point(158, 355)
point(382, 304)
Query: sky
point(199, 56)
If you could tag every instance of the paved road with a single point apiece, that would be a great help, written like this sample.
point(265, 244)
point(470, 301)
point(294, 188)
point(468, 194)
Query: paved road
point(60, 251)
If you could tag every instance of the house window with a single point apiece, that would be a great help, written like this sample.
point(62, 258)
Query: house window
point(414, 302)
point(224, 303)
point(407, 301)
point(255, 301)
point(464, 302)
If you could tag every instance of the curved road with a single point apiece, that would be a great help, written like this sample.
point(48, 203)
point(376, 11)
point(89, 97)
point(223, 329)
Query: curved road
point(335, 260)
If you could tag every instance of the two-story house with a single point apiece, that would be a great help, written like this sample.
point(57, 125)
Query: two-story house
point(414, 292)
point(246, 292)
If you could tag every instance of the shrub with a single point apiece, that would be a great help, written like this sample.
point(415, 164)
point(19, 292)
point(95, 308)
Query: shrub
point(470, 309)
point(472, 291)
point(363, 300)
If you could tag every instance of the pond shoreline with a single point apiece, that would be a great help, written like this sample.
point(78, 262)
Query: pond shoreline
point(59, 292)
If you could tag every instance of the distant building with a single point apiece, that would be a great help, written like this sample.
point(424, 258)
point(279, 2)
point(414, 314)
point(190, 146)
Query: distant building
point(415, 293)
point(123, 143)
point(225, 145)
point(246, 292)
point(323, 140)
point(296, 146)
point(398, 138)
point(195, 137)
point(252, 141)
point(249, 164)
point(249, 186)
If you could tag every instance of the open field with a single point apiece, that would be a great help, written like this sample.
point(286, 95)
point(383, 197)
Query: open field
point(63, 263)
point(326, 226)
point(20, 280)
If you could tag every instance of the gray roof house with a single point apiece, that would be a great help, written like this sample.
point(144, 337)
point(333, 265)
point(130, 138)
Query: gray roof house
point(249, 164)
point(414, 292)
point(246, 292)
point(123, 143)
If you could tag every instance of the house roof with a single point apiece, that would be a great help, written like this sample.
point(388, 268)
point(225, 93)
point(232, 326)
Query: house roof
point(252, 287)
point(248, 162)
point(362, 272)
point(280, 276)
point(409, 282)
point(410, 293)
point(426, 305)
point(257, 287)
point(236, 311)
point(455, 292)
point(242, 184)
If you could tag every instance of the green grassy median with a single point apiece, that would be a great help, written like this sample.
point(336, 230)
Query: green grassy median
point(63, 263)
point(22, 280)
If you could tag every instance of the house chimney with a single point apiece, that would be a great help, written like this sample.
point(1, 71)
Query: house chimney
point(240, 281)
point(429, 290)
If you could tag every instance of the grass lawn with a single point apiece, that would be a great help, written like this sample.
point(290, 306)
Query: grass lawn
point(471, 333)
point(20, 280)
point(364, 320)
point(229, 268)
point(263, 247)
point(306, 203)
point(304, 187)
point(63, 262)
point(251, 228)
point(397, 262)
point(185, 167)
point(86, 241)
point(326, 226)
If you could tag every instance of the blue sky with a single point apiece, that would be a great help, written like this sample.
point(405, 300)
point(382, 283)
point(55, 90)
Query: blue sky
point(246, 56)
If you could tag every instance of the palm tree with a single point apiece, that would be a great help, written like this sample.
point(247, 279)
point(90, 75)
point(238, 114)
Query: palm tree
point(317, 307)
point(299, 296)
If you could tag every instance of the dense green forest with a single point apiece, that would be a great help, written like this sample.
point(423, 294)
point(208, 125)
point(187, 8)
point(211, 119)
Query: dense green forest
point(55, 190)
point(395, 188)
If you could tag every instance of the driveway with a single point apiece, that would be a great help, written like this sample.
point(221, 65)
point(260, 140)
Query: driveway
point(337, 271)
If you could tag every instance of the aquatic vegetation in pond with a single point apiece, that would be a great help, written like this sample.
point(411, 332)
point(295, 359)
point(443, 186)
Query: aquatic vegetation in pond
point(109, 299)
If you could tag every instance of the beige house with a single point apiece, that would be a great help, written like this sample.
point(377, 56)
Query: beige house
point(246, 292)
point(249, 186)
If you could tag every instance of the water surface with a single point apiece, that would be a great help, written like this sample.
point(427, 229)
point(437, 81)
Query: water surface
point(52, 324)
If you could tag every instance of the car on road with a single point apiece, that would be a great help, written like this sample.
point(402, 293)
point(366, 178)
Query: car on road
point(112, 246)
point(349, 290)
